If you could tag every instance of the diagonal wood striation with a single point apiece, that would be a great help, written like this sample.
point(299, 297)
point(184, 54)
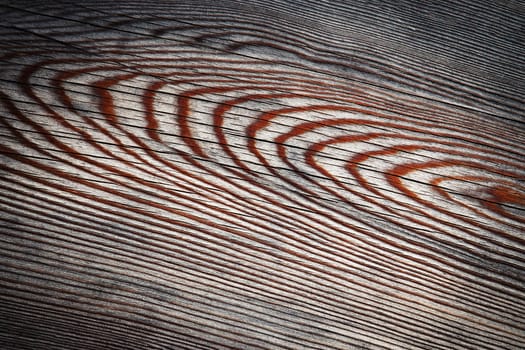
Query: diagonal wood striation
point(262, 175)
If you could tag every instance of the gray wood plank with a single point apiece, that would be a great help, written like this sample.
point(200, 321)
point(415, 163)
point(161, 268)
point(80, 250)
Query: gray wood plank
point(262, 175)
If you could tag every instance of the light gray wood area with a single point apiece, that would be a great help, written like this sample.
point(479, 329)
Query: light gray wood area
point(262, 175)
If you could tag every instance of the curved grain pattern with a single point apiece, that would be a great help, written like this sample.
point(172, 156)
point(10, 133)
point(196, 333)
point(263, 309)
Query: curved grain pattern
point(262, 175)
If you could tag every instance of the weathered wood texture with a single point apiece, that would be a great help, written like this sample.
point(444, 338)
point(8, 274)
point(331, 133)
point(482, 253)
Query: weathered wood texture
point(262, 175)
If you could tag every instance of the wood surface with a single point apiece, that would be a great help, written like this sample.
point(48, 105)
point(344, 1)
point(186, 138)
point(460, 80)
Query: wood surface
point(262, 174)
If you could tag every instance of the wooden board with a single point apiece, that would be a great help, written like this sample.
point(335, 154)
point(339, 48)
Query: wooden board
point(262, 175)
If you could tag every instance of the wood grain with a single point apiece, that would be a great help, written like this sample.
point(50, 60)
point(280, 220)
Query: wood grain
point(262, 175)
